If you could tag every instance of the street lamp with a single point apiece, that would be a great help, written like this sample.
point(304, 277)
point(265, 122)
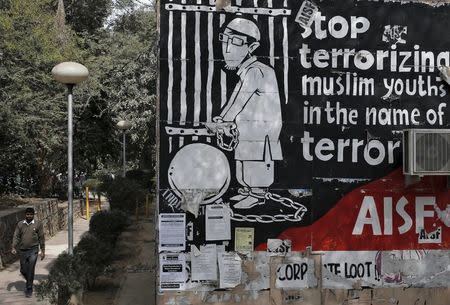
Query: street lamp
point(124, 126)
point(70, 74)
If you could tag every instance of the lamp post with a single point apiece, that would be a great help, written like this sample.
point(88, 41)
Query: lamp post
point(124, 126)
point(70, 74)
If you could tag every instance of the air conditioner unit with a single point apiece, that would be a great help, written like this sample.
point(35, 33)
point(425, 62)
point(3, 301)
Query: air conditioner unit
point(426, 152)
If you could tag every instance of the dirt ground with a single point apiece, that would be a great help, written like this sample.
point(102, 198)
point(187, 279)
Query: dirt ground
point(130, 257)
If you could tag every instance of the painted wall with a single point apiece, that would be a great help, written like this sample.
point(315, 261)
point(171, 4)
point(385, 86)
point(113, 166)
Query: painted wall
point(280, 131)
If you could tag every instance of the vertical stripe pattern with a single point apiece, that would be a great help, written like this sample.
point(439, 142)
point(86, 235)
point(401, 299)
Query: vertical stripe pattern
point(271, 37)
point(170, 75)
point(198, 66)
point(183, 102)
point(223, 75)
point(197, 84)
point(285, 57)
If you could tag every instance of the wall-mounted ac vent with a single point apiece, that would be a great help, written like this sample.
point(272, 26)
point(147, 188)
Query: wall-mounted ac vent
point(426, 152)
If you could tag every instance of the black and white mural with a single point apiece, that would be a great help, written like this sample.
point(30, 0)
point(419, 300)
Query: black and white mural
point(234, 140)
point(289, 115)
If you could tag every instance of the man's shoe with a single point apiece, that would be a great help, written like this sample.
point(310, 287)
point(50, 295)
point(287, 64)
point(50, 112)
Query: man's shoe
point(28, 292)
point(238, 197)
point(247, 203)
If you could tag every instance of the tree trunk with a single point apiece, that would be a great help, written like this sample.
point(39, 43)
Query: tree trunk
point(76, 299)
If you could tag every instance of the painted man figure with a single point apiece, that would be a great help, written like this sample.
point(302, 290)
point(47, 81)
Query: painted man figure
point(28, 237)
point(255, 108)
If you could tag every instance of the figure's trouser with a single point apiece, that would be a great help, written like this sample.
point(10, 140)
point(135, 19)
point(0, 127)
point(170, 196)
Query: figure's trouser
point(255, 173)
point(28, 260)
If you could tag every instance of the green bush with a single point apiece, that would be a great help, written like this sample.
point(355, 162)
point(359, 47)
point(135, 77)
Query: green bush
point(108, 225)
point(93, 184)
point(95, 187)
point(95, 254)
point(71, 274)
point(65, 278)
point(123, 193)
point(144, 177)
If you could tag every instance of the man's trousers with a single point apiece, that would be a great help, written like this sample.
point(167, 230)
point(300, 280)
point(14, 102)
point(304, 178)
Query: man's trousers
point(28, 260)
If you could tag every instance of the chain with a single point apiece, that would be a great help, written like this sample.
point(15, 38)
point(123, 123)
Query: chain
point(300, 209)
point(233, 139)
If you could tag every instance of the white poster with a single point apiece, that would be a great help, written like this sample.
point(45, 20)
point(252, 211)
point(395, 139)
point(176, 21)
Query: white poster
point(172, 232)
point(220, 249)
point(305, 15)
point(230, 270)
point(204, 263)
point(244, 239)
point(296, 273)
point(341, 269)
point(218, 222)
point(172, 271)
point(278, 247)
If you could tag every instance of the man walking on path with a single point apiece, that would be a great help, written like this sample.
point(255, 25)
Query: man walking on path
point(28, 238)
point(11, 283)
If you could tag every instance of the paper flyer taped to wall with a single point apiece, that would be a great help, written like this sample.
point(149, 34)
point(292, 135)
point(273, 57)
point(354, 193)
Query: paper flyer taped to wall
point(204, 263)
point(244, 239)
point(346, 268)
point(296, 273)
point(278, 247)
point(230, 270)
point(172, 232)
point(173, 273)
point(218, 222)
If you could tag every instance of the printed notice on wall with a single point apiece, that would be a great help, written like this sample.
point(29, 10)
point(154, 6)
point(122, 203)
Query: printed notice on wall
point(306, 14)
point(204, 263)
point(172, 271)
point(218, 222)
point(343, 268)
point(244, 239)
point(230, 270)
point(172, 232)
point(278, 247)
point(297, 273)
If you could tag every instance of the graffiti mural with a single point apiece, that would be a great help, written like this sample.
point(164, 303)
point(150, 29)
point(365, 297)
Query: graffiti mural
point(289, 116)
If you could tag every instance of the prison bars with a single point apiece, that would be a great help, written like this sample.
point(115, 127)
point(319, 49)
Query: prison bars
point(210, 9)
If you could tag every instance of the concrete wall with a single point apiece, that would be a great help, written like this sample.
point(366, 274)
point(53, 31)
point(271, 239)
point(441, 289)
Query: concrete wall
point(8, 221)
point(51, 212)
point(262, 278)
point(410, 296)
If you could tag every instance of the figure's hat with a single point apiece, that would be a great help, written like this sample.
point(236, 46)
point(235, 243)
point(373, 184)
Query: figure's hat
point(246, 27)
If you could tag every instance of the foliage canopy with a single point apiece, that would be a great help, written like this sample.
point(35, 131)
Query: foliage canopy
point(121, 54)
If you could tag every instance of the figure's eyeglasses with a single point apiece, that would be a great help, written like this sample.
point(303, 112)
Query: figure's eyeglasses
point(233, 39)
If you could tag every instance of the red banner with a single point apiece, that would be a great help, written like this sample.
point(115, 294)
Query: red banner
point(382, 215)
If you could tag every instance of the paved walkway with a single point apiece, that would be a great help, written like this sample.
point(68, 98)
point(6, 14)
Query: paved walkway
point(12, 285)
point(138, 286)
